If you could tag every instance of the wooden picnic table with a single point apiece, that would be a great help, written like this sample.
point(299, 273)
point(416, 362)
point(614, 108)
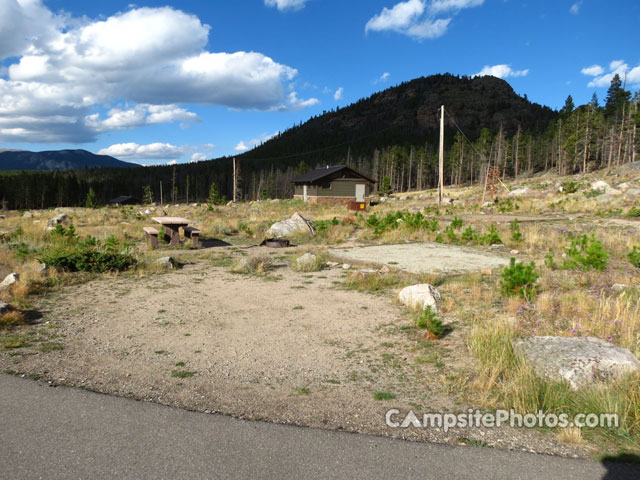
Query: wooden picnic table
point(172, 228)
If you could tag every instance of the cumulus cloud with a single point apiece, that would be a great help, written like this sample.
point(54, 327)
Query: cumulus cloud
point(198, 157)
point(417, 20)
point(152, 58)
point(575, 8)
point(134, 151)
point(338, 94)
point(283, 5)
point(501, 71)
point(616, 67)
point(243, 145)
point(592, 71)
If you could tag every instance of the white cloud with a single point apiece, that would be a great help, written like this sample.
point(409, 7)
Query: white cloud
point(383, 78)
point(151, 58)
point(243, 145)
point(172, 162)
point(439, 6)
point(133, 151)
point(501, 71)
point(575, 8)
point(198, 157)
point(417, 20)
point(286, 4)
point(592, 71)
point(338, 95)
point(619, 67)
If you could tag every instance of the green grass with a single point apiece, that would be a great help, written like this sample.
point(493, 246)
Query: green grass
point(384, 396)
point(50, 347)
point(303, 391)
point(182, 373)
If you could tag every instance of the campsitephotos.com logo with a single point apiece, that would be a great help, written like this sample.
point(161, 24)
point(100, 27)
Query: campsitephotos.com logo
point(477, 419)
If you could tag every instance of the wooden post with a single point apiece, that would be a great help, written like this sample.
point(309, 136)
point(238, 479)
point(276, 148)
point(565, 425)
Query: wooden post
point(441, 158)
point(235, 181)
point(161, 202)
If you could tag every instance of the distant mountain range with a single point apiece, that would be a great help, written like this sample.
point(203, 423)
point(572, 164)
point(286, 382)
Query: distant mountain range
point(56, 160)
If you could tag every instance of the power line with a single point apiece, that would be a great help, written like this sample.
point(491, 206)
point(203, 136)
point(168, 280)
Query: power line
point(463, 134)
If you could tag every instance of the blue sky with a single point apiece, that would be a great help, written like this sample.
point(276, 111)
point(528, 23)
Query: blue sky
point(163, 81)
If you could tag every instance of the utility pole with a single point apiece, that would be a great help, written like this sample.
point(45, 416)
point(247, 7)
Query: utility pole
point(161, 201)
point(235, 181)
point(441, 158)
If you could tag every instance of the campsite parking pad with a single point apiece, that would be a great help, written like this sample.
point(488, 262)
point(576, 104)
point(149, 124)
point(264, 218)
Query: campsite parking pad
point(424, 257)
point(290, 348)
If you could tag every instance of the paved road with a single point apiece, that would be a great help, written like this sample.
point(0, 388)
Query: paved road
point(61, 432)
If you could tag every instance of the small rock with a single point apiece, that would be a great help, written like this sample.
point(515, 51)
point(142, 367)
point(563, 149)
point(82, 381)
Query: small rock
point(4, 308)
point(385, 269)
point(624, 187)
point(167, 262)
point(332, 264)
point(600, 185)
point(487, 204)
point(9, 280)
point(634, 192)
point(241, 266)
point(495, 246)
point(515, 252)
point(41, 268)
point(58, 220)
point(305, 261)
point(487, 271)
point(619, 287)
point(27, 215)
point(420, 296)
point(346, 266)
point(367, 272)
point(606, 198)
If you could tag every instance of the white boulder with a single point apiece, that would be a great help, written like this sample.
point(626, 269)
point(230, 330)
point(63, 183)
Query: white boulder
point(518, 192)
point(420, 296)
point(297, 224)
point(9, 280)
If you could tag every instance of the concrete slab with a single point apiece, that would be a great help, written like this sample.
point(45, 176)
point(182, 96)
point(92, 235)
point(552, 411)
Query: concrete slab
point(424, 257)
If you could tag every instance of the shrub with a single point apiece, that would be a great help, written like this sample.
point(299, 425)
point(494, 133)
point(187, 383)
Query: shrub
point(593, 193)
point(456, 222)
point(633, 212)
point(492, 237)
point(258, 264)
point(519, 279)
point(469, 234)
point(570, 187)
point(516, 234)
point(316, 263)
point(634, 257)
point(451, 234)
point(86, 259)
point(429, 321)
point(549, 261)
point(585, 253)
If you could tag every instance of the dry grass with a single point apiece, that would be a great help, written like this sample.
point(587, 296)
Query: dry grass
point(11, 319)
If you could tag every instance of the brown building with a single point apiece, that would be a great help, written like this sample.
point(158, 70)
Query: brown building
point(334, 185)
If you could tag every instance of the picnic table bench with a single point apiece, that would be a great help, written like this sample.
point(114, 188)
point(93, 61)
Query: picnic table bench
point(172, 227)
point(151, 234)
point(194, 234)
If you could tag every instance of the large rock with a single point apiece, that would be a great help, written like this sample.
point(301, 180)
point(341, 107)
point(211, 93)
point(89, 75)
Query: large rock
point(420, 296)
point(61, 219)
point(9, 280)
point(579, 361)
point(634, 192)
point(27, 215)
point(297, 224)
point(603, 186)
point(518, 192)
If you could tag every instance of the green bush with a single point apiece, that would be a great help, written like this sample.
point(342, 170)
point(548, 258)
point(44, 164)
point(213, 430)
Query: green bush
point(86, 259)
point(492, 237)
point(469, 234)
point(570, 187)
point(585, 253)
point(633, 212)
point(456, 222)
point(516, 234)
point(519, 279)
point(634, 257)
point(429, 321)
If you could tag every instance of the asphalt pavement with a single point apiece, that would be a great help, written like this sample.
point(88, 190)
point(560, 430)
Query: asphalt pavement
point(58, 433)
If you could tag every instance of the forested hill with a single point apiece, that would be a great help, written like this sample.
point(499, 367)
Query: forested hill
point(56, 160)
point(408, 115)
point(391, 136)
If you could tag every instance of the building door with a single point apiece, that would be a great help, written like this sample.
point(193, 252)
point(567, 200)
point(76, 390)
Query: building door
point(359, 192)
point(304, 193)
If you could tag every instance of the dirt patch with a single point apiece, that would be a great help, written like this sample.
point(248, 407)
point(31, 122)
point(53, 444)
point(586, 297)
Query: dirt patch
point(424, 257)
point(289, 348)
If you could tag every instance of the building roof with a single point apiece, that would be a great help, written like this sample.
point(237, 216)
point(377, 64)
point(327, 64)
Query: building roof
point(122, 198)
point(320, 173)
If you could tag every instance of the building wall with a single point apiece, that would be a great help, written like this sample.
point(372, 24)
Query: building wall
point(329, 200)
point(337, 188)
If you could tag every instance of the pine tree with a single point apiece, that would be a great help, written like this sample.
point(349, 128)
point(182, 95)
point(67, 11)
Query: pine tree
point(568, 107)
point(91, 201)
point(147, 195)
